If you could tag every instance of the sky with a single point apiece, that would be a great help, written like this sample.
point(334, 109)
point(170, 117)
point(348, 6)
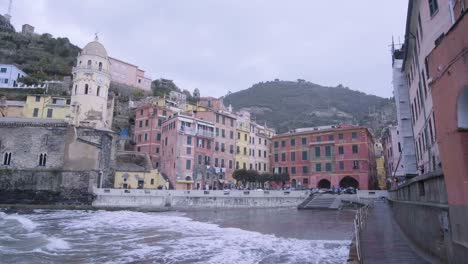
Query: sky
point(229, 45)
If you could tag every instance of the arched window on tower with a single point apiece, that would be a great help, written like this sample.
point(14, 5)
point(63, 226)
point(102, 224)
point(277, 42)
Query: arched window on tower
point(98, 90)
point(43, 159)
point(7, 158)
point(86, 88)
point(100, 66)
point(76, 88)
point(89, 64)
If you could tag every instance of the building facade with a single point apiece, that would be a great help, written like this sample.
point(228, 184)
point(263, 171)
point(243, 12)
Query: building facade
point(326, 157)
point(392, 152)
point(181, 135)
point(149, 118)
point(129, 74)
point(427, 22)
point(448, 74)
point(405, 126)
point(260, 147)
point(9, 75)
point(224, 141)
point(47, 106)
point(243, 141)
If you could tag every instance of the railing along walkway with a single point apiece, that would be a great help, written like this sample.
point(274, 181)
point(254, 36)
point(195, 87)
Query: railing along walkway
point(382, 241)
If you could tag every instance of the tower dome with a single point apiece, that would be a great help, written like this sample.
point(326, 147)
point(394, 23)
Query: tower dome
point(94, 48)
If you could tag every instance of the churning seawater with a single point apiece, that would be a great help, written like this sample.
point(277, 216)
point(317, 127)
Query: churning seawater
point(207, 236)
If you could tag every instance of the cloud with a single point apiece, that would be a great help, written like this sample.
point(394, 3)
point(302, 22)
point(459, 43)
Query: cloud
point(228, 45)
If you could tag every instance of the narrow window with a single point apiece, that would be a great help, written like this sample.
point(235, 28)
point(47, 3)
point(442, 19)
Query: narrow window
point(49, 113)
point(318, 167)
point(36, 112)
point(341, 150)
point(86, 88)
point(355, 149)
point(100, 66)
point(433, 7)
point(98, 90)
point(38, 98)
point(328, 151)
point(43, 159)
point(7, 158)
point(76, 88)
point(89, 64)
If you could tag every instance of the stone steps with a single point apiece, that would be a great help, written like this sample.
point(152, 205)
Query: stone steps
point(319, 202)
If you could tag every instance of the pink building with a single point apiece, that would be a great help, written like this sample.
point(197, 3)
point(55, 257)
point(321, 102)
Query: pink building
point(186, 143)
point(211, 102)
point(148, 130)
point(224, 142)
point(129, 74)
point(324, 157)
point(448, 72)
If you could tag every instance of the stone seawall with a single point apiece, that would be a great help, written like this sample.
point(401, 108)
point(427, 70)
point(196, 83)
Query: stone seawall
point(160, 199)
point(47, 186)
point(420, 208)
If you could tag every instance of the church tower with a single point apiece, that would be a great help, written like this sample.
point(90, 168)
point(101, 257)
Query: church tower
point(91, 80)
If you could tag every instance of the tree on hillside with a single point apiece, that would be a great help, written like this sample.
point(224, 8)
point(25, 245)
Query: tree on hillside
point(162, 87)
point(196, 94)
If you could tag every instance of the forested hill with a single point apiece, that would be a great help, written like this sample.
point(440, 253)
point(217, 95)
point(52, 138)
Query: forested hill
point(286, 105)
point(42, 57)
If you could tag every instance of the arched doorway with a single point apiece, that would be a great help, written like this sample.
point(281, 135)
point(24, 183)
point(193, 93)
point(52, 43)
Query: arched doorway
point(349, 182)
point(324, 184)
point(462, 109)
point(293, 183)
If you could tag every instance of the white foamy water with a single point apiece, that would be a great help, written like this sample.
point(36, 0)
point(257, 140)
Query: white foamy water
point(127, 237)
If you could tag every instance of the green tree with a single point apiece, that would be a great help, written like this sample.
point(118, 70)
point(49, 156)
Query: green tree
point(138, 94)
point(240, 175)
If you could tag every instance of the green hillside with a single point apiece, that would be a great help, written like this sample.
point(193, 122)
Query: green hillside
point(42, 57)
point(286, 105)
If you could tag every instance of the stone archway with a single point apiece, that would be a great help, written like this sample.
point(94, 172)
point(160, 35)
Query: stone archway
point(324, 184)
point(462, 109)
point(349, 181)
point(293, 183)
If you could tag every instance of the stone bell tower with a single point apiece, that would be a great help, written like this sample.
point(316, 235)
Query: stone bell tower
point(91, 80)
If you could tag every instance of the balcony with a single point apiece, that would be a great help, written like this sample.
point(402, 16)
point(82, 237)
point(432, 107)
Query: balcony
point(188, 131)
point(205, 133)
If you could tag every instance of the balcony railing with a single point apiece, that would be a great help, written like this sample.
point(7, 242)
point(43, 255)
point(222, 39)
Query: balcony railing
point(204, 133)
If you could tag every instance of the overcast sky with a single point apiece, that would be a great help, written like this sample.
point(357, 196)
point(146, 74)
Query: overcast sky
point(228, 45)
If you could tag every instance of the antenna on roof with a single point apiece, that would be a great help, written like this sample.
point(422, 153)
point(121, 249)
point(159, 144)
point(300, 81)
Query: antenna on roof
point(8, 14)
point(96, 38)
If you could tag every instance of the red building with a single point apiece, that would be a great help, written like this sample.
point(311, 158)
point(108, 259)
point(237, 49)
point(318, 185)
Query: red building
point(448, 71)
point(186, 147)
point(324, 157)
point(148, 125)
point(224, 143)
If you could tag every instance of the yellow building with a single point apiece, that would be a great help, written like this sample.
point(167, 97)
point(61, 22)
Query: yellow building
point(11, 108)
point(243, 141)
point(381, 172)
point(140, 180)
point(193, 107)
point(46, 106)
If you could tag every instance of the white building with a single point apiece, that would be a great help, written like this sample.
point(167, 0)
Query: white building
point(91, 80)
point(407, 156)
point(392, 152)
point(9, 75)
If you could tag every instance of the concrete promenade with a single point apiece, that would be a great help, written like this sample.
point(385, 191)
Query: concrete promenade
point(159, 199)
point(382, 241)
